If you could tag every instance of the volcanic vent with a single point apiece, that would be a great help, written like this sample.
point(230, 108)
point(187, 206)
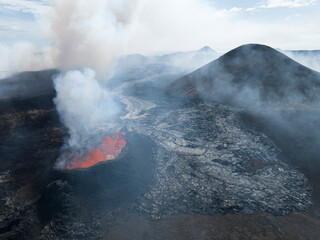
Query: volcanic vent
point(110, 148)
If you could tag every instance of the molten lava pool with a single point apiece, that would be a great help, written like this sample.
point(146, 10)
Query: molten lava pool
point(109, 149)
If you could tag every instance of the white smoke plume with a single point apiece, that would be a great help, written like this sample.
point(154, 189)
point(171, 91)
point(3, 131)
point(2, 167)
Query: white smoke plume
point(83, 104)
point(88, 38)
point(90, 33)
point(93, 34)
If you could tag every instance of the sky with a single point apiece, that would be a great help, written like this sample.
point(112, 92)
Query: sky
point(288, 24)
point(162, 26)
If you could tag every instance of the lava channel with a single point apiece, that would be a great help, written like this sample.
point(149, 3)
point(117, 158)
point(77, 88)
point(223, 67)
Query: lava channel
point(109, 149)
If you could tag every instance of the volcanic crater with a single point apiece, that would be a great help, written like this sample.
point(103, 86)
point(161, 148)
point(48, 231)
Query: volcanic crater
point(192, 158)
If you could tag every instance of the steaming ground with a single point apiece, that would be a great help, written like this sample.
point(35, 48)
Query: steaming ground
point(184, 157)
point(213, 164)
point(208, 164)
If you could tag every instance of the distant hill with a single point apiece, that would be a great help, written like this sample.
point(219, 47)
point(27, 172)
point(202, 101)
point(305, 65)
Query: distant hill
point(160, 69)
point(28, 84)
point(188, 60)
point(248, 75)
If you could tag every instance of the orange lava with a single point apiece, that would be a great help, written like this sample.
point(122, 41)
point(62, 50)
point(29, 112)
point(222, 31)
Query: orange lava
point(109, 149)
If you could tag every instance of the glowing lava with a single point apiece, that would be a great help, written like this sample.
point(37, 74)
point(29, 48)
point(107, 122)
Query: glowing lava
point(109, 149)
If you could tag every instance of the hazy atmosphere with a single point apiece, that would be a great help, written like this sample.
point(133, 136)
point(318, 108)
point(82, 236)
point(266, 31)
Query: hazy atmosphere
point(42, 30)
point(159, 119)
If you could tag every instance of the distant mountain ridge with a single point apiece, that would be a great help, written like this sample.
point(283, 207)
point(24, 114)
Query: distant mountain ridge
point(250, 72)
point(160, 69)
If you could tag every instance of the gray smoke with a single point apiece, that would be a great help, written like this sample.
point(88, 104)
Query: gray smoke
point(278, 96)
point(13, 58)
point(90, 34)
point(88, 39)
point(310, 59)
point(83, 104)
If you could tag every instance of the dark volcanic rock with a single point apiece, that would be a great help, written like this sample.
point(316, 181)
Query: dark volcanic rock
point(280, 95)
point(208, 164)
point(191, 157)
point(31, 136)
point(28, 84)
point(260, 226)
point(77, 201)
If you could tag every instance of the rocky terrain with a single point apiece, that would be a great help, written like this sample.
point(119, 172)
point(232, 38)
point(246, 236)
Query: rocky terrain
point(280, 98)
point(207, 163)
point(193, 168)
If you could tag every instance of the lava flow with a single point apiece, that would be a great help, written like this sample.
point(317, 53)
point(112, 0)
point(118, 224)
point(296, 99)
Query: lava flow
point(109, 149)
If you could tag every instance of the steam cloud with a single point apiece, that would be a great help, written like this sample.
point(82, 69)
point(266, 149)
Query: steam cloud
point(90, 33)
point(83, 104)
point(89, 36)
point(93, 34)
point(310, 59)
point(13, 58)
